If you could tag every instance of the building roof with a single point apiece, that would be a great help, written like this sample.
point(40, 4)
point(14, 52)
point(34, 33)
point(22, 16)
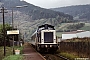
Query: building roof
point(73, 32)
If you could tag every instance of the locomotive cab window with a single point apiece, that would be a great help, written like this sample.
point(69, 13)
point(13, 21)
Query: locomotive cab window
point(48, 37)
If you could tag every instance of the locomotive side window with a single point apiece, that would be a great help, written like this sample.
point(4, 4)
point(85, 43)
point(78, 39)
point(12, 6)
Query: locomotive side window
point(39, 37)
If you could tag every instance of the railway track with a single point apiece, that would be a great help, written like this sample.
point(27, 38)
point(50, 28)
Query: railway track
point(64, 58)
point(51, 56)
point(54, 57)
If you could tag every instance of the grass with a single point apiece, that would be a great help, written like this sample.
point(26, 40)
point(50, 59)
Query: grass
point(14, 57)
point(9, 51)
point(68, 55)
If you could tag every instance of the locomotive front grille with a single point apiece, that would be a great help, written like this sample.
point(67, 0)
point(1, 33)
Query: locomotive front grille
point(48, 37)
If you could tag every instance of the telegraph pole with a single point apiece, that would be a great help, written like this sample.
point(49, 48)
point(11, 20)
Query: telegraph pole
point(2, 10)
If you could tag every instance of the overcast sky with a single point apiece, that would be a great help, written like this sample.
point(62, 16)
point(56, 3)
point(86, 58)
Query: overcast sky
point(57, 3)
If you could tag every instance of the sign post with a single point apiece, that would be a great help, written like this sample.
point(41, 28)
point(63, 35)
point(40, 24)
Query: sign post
point(13, 32)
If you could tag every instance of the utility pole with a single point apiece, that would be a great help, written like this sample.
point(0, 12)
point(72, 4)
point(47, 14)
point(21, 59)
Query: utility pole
point(2, 10)
point(4, 32)
point(13, 21)
point(13, 29)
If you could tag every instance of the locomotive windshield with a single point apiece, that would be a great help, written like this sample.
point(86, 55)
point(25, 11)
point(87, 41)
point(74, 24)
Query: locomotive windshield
point(48, 37)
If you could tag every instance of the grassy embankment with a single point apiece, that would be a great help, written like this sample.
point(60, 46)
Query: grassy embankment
point(9, 53)
point(67, 55)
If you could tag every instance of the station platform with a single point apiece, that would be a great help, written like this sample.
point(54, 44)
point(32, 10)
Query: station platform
point(29, 53)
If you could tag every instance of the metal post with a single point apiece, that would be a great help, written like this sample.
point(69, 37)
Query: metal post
point(13, 44)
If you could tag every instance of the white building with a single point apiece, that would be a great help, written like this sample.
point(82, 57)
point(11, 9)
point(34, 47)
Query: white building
point(83, 34)
point(75, 34)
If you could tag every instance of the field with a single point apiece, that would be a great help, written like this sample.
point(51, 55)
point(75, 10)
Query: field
point(59, 34)
point(86, 27)
point(64, 26)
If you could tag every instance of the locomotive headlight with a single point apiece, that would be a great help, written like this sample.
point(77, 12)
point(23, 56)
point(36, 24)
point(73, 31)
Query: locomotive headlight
point(46, 46)
point(42, 41)
point(50, 45)
point(54, 40)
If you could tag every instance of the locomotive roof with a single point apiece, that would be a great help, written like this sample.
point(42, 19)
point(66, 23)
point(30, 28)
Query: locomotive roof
point(45, 25)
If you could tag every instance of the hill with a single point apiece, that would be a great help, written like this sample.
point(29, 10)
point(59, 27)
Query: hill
point(79, 12)
point(27, 19)
point(67, 27)
point(33, 11)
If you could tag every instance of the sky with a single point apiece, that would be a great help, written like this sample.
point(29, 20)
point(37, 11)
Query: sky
point(57, 3)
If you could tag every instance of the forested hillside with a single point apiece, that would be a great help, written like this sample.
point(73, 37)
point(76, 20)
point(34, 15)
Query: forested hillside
point(34, 12)
point(78, 11)
point(27, 19)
